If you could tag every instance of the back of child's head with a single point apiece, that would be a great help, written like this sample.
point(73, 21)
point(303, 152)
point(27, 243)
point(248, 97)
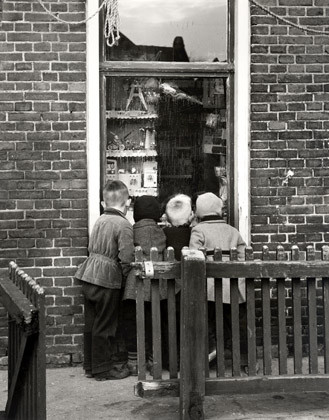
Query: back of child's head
point(208, 204)
point(179, 210)
point(195, 197)
point(115, 194)
point(147, 207)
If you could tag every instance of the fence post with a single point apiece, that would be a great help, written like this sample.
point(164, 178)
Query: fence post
point(193, 328)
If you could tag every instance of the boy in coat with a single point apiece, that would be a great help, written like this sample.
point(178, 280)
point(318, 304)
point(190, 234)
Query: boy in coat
point(111, 250)
point(213, 232)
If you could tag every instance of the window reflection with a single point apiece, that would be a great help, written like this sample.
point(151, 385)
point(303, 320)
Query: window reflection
point(171, 30)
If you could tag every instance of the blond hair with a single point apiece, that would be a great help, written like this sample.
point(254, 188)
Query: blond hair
point(179, 210)
point(115, 193)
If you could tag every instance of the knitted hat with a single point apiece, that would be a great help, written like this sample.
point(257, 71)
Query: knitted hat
point(147, 207)
point(208, 204)
point(179, 210)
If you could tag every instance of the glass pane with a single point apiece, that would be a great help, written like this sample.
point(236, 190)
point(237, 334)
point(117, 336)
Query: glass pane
point(171, 30)
point(167, 135)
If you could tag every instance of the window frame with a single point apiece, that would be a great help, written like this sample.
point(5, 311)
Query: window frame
point(176, 69)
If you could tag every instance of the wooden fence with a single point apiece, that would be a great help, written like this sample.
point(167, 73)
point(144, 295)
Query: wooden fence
point(284, 283)
point(24, 302)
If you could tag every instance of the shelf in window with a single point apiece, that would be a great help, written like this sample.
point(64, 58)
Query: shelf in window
point(130, 115)
point(131, 153)
point(177, 176)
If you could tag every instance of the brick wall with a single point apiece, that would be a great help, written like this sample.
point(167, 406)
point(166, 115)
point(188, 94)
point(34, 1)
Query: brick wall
point(289, 124)
point(43, 187)
point(289, 131)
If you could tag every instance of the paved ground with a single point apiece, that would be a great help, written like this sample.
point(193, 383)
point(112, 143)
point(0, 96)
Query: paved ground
point(71, 396)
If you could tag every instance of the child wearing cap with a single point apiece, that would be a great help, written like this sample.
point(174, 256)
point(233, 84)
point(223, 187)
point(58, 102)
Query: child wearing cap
point(213, 232)
point(179, 214)
point(147, 234)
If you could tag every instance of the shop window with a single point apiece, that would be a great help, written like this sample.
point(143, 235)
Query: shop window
point(167, 122)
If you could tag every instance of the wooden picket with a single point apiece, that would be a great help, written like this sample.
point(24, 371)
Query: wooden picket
point(24, 301)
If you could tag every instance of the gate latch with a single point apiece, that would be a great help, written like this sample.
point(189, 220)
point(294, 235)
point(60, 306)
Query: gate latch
point(148, 269)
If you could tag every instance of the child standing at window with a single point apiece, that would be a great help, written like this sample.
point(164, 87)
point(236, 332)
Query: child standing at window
point(179, 214)
point(111, 250)
point(147, 234)
point(213, 232)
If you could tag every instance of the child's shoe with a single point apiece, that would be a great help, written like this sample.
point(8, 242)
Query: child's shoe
point(149, 364)
point(114, 373)
point(132, 363)
point(88, 374)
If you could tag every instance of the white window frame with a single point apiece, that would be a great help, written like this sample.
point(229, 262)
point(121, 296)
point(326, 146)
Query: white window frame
point(241, 116)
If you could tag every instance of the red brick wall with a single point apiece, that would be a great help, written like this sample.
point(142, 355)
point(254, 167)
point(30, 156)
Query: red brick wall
point(289, 124)
point(43, 187)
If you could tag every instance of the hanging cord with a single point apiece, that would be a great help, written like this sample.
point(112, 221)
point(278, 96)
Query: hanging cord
point(112, 23)
point(71, 22)
point(288, 22)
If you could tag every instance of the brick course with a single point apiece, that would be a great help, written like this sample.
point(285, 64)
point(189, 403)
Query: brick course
point(43, 179)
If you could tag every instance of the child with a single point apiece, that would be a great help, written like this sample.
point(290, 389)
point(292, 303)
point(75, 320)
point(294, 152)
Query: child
point(179, 214)
point(212, 232)
point(111, 250)
point(147, 234)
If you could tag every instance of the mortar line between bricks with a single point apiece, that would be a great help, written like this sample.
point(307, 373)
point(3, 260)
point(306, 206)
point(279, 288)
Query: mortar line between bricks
point(286, 21)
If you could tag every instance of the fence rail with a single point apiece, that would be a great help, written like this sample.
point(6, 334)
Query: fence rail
point(24, 302)
point(292, 299)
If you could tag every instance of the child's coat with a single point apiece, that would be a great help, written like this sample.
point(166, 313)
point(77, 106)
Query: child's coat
point(218, 234)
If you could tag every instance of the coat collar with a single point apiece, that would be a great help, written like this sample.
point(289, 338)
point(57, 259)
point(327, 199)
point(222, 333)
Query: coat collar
point(145, 222)
point(211, 221)
point(112, 211)
point(212, 218)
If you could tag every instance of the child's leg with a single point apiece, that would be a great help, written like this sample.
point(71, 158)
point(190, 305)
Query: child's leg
point(106, 304)
point(148, 332)
point(227, 326)
point(242, 330)
point(87, 335)
point(129, 324)
point(130, 333)
point(243, 333)
point(211, 326)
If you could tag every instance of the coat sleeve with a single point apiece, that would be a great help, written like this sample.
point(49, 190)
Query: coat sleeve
point(126, 248)
point(241, 246)
point(197, 239)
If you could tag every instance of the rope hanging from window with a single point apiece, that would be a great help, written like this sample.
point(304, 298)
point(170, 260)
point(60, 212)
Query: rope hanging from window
point(111, 24)
point(287, 22)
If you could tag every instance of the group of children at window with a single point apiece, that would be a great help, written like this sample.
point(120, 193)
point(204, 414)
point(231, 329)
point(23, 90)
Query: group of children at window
point(109, 283)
